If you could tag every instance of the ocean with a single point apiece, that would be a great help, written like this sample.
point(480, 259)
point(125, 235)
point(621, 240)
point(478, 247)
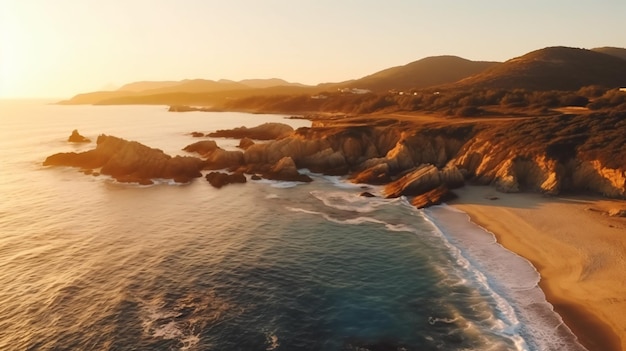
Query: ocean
point(87, 263)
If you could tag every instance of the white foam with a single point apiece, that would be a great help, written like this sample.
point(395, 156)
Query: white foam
point(279, 183)
point(348, 201)
point(356, 220)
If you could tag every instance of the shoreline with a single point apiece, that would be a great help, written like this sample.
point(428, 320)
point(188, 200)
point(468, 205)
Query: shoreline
point(578, 250)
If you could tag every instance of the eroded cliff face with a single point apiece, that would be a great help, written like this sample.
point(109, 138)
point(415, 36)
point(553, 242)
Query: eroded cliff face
point(573, 154)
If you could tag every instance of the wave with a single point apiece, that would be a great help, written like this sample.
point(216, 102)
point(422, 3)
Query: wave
point(357, 221)
point(348, 201)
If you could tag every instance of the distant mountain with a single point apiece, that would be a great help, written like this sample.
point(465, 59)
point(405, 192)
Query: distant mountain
point(194, 89)
point(424, 73)
point(613, 51)
point(147, 85)
point(552, 68)
point(268, 83)
point(196, 86)
point(203, 85)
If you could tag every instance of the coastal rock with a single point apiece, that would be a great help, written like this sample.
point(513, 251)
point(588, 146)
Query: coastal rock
point(326, 161)
point(220, 159)
point(245, 143)
point(376, 174)
point(418, 181)
point(266, 131)
point(433, 197)
point(220, 179)
point(286, 170)
point(130, 161)
point(216, 157)
point(203, 147)
point(197, 134)
point(424, 178)
point(367, 194)
point(75, 137)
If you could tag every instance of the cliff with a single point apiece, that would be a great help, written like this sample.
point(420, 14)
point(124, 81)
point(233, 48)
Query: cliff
point(550, 154)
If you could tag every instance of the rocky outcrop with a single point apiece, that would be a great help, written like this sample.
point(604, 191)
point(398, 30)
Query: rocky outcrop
point(286, 170)
point(266, 131)
point(423, 179)
point(130, 161)
point(436, 196)
point(245, 143)
point(216, 157)
point(220, 179)
point(75, 137)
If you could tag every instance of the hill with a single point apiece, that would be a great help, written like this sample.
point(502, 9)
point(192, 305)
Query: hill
point(269, 83)
point(613, 51)
point(198, 91)
point(552, 68)
point(147, 85)
point(424, 73)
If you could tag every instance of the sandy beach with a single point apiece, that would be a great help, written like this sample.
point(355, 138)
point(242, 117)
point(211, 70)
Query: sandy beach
point(577, 248)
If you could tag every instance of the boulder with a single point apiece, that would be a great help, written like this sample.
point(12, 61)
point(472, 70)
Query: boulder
point(219, 179)
point(433, 197)
point(377, 174)
point(203, 147)
point(222, 159)
point(245, 143)
point(423, 178)
point(77, 138)
point(216, 157)
point(286, 170)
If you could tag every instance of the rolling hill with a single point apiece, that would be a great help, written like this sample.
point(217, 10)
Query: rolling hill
point(424, 73)
point(552, 68)
point(613, 51)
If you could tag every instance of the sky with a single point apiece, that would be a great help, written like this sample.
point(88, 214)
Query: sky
point(59, 48)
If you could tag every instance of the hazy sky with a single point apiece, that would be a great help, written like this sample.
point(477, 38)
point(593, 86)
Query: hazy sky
point(58, 48)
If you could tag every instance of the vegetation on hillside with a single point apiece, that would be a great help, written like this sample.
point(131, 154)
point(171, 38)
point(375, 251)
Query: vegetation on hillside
point(461, 103)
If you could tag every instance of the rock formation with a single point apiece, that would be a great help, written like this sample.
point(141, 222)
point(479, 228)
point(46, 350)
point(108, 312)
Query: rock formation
point(436, 196)
point(423, 179)
point(216, 157)
point(219, 179)
point(285, 169)
point(75, 137)
point(130, 161)
point(266, 131)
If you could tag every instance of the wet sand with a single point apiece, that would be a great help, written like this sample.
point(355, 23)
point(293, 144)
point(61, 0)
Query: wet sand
point(577, 248)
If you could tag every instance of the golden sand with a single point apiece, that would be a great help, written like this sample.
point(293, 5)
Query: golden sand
point(577, 248)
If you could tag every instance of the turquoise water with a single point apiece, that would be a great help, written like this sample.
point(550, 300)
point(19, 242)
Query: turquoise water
point(90, 264)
